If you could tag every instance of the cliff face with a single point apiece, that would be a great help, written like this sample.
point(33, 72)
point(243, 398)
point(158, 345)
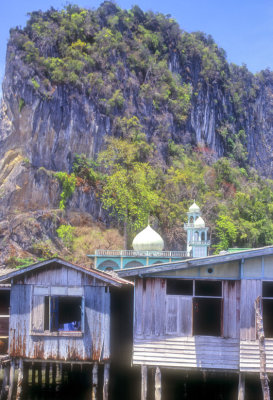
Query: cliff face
point(129, 64)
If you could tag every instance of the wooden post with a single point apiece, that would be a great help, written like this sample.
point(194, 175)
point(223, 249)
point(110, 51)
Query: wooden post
point(33, 371)
point(260, 334)
point(20, 380)
point(39, 368)
point(47, 376)
point(11, 378)
point(144, 382)
point(241, 386)
point(157, 384)
point(106, 381)
point(5, 383)
point(95, 381)
point(58, 377)
point(51, 375)
point(43, 375)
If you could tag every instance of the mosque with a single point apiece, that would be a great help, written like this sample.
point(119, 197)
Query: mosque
point(148, 247)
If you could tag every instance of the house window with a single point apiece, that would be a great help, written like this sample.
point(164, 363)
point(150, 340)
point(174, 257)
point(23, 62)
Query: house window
point(57, 314)
point(180, 287)
point(63, 313)
point(194, 307)
point(207, 308)
point(267, 305)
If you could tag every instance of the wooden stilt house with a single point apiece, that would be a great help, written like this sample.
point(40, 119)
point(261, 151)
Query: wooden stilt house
point(202, 314)
point(60, 313)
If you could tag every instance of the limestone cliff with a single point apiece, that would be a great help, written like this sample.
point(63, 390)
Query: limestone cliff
point(71, 76)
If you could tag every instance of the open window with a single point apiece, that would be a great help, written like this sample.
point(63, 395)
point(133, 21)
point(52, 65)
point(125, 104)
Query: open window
point(207, 308)
point(58, 314)
point(267, 293)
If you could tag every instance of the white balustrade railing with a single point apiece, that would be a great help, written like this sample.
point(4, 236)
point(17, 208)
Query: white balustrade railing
point(141, 253)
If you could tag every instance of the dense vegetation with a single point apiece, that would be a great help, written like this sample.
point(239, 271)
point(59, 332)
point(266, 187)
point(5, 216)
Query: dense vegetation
point(132, 184)
point(145, 74)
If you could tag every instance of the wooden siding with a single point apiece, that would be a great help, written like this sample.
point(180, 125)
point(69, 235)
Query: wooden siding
point(250, 356)
point(231, 309)
point(93, 344)
point(163, 329)
point(150, 307)
point(250, 290)
point(58, 275)
point(188, 352)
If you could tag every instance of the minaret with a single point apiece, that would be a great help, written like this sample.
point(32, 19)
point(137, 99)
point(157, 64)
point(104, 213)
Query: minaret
point(197, 243)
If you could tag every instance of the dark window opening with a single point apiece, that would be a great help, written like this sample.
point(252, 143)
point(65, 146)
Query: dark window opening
point(207, 315)
point(203, 236)
point(46, 314)
point(62, 313)
point(4, 302)
point(208, 288)
point(180, 287)
point(268, 289)
point(268, 317)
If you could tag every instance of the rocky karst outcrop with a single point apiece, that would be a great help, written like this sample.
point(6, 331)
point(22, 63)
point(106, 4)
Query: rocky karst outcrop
point(51, 112)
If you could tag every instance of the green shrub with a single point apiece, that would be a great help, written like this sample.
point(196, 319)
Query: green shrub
point(68, 183)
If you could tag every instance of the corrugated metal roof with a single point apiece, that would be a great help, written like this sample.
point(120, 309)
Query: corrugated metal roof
point(196, 262)
point(104, 276)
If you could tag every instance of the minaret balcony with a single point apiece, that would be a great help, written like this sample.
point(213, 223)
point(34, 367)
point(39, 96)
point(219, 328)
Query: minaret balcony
point(199, 243)
point(188, 225)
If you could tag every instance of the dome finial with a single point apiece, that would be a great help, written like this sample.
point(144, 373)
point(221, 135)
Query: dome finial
point(194, 208)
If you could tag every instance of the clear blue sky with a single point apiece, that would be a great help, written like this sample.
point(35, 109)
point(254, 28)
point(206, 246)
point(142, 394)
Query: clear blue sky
point(244, 28)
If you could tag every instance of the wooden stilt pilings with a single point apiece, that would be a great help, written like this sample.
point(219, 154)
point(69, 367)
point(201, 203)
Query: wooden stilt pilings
point(241, 386)
point(43, 375)
point(20, 380)
point(157, 384)
point(5, 383)
point(95, 381)
point(144, 382)
point(47, 376)
point(11, 378)
point(106, 375)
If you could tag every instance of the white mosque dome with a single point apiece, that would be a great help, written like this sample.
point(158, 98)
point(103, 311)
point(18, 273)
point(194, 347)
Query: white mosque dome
point(148, 239)
point(199, 223)
point(194, 208)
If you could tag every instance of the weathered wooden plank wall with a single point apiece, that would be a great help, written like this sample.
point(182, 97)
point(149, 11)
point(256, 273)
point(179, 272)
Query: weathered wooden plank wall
point(58, 276)
point(163, 329)
point(150, 307)
point(250, 290)
point(94, 344)
point(231, 309)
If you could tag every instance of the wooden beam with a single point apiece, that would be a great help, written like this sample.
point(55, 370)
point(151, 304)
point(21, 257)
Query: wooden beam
point(20, 380)
point(260, 334)
point(95, 381)
point(157, 384)
point(106, 381)
point(241, 386)
point(144, 382)
point(11, 379)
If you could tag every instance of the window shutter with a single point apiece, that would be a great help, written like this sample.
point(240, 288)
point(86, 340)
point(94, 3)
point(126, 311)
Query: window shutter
point(172, 308)
point(37, 313)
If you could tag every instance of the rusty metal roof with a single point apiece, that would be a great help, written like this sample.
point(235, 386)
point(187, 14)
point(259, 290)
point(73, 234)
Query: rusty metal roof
point(6, 274)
